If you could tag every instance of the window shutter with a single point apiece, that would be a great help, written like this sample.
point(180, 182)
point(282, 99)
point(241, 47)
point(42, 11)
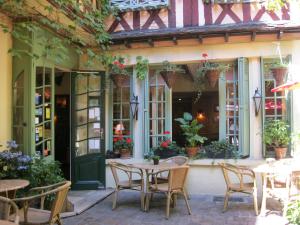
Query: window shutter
point(244, 116)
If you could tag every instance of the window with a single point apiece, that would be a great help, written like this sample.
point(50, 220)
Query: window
point(43, 111)
point(274, 104)
point(139, 4)
point(157, 108)
point(121, 109)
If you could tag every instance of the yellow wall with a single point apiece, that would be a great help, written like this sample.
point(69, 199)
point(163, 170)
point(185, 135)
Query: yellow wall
point(5, 84)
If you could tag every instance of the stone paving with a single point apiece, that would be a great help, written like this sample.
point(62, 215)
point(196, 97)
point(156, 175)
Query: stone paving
point(205, 211)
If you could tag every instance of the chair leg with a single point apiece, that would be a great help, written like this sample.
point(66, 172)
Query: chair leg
point(115, 198)
point(186, 202)
point(58, 221)
point(142, 200)
point(147, 203)
point(263, 203)
point(226, 201)
point(168, 205)
point(174, 198)
point(255, 201)
point(187, 194)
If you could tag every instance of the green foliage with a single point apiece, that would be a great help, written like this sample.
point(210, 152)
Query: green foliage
point(168, 67)
point(191, 128)
point(44, 172)
point(276, 133)
point(141, 67)
point(280, 64)
point(293, 213)
point(221, 150)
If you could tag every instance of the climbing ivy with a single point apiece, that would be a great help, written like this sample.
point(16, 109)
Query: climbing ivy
point(86, 31)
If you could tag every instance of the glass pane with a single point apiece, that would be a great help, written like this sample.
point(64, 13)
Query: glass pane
point(94, 114)
point(152, 94)
point(81, 101)
point(94, 82)
point(126, 125)
point(81, 117)
point(19, 97)
point(19, 83)
point(153, 110)
point(81, 133)
point(161, 93)
point(161, 110)
point(125, 111)
point(48, 72)
point(125, 94)
point(18, 116)
point(39, 96)
point(47, 148)
point(39, 78)
point(117, 111)
point(94, 145)
point(47, 111)
point(47, 94)
point(94, 100)
point(94, 130)
point(39, 149)
point(161, 126)
point(81, 148)
point(117, 95)
point(81, 84)
point(38, 133)
point(38, 115)
point(18, 135)
point(47, 130)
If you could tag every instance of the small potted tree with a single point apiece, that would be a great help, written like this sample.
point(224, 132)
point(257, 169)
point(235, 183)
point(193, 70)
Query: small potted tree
point(123, 146)
point(191, 128)
point(276, 135)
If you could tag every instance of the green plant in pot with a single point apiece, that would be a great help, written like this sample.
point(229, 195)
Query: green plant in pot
point(116, 67)
point(141, 67)
point(191, 128)
point(156, 159)
point(221, 150)
point(279, 71)
point(277, 136)
point(169, 72)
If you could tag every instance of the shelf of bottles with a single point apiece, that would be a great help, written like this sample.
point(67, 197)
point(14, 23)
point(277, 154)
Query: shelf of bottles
point(43, 111)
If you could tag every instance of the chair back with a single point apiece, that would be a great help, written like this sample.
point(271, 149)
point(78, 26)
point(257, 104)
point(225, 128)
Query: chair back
point(6, 206)
point(177, 178)
point(228, 170)
point(115, 167)
point(178, 160)
point(60, 196)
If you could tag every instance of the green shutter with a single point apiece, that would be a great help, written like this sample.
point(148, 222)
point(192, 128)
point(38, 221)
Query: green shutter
point(222, 107)
point(244, 116)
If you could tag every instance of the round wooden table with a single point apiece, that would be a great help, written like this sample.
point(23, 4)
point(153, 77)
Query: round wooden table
point(4, 222)
point(10, 186)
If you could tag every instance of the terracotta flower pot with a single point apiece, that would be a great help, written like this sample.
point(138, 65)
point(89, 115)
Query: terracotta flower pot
point(212, 77)
point(280, 153)
point(125, 153)
point(169, 77)
point(118, 79)
point(279, 74)
point(192, 151)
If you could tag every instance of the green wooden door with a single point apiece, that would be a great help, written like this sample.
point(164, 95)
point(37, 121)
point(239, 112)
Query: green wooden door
point(88, 154)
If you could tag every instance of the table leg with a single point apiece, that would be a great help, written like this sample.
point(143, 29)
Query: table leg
point(264, 195)
point(147, 194)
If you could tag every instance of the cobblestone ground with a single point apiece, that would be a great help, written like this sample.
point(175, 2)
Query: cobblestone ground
point(205, 211)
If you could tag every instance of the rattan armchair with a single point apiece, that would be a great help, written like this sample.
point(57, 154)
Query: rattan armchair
point(175, 185)
point(130, 183)
point(33, 216)
point(6, 206)
point(247, 187)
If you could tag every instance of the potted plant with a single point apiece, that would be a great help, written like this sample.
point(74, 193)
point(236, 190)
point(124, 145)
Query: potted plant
point(276, 135)
point(141, 67)
point(166, 148)
point(211, 70)
point(279, 71)
point(221, 150)
point(191, 128)
point(169, 72)
point(155, 159)
point(117, 70)
point(123, 146)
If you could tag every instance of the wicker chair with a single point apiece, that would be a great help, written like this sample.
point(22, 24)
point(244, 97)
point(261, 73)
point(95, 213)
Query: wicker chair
point(174, 186)
point(33, 216)
point(5, 211)
point(130, 183)
point(239, 172)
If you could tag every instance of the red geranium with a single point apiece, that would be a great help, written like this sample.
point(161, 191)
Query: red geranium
point(164, 144)
point(115, 139)
point(204, 55)
point(167, 132)
point(128, 140)
point(116, 62)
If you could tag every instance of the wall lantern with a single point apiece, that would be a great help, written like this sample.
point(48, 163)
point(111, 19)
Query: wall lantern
point(257, 101)
point(134, 103)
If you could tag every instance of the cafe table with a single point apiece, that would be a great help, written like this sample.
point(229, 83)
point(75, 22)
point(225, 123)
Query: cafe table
point(5, 222)
point(9, 187)
point(282, 168)
point(149, 168)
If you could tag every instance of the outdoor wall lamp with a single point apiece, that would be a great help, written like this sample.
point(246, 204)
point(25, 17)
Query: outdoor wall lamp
point(134, 103)
point(257, 101)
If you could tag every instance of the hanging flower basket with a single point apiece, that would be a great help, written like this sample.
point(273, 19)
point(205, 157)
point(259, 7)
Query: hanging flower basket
point(279, 74)
point(212, 77)
point(169, 77)
point(118, 79)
